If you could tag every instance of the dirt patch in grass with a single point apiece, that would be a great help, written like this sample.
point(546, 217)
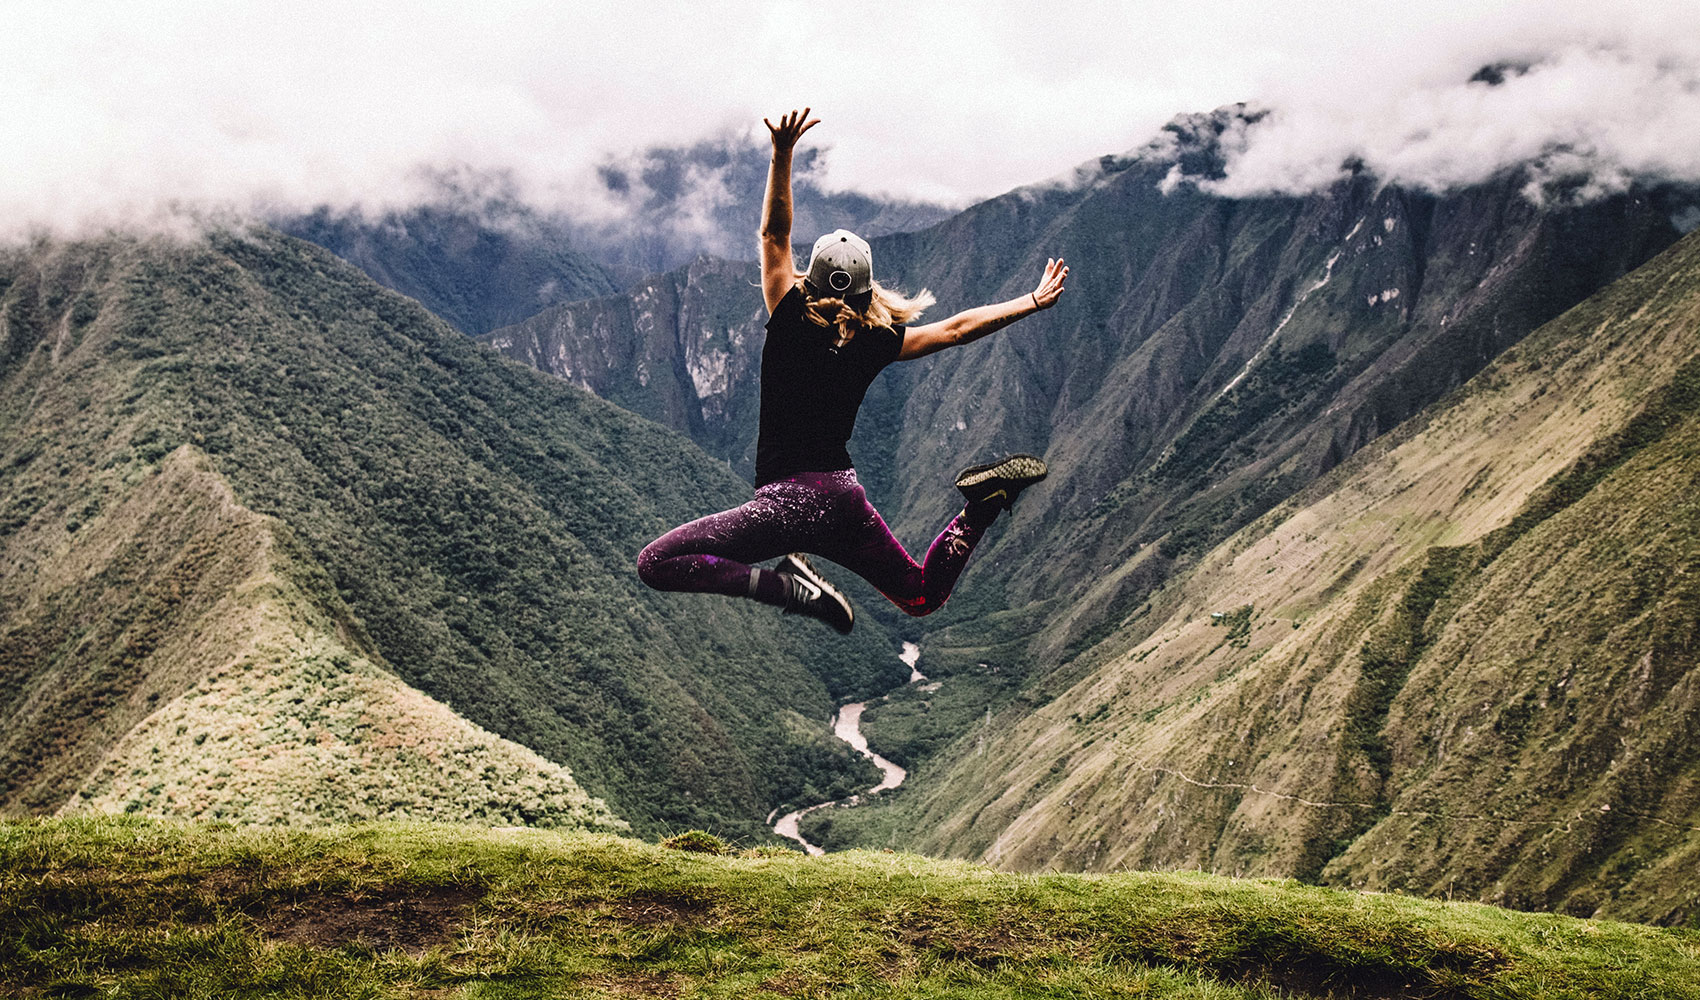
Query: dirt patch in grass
point(788, 984)
point(672, 908)
point(664, 908)
point(987, 945)
point(1328, 981)
point(1324, 983)
point(634, 984)
point(408, 919)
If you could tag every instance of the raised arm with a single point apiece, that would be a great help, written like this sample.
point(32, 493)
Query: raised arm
point(778, 269)
point(972, 324)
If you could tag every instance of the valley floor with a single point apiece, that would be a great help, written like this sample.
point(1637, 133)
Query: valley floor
point(127, 908)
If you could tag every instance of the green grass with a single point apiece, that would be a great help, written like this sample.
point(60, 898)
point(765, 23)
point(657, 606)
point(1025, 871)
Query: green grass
point(127, 908)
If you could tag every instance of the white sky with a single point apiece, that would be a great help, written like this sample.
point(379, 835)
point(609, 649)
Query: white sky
point(112, 110)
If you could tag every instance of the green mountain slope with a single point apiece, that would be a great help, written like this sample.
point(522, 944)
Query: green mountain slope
point(463, 522)
point(1463, 663)
point(167, 660)
point(129, 909)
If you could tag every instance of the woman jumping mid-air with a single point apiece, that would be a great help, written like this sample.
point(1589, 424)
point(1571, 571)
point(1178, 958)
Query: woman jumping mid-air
point(829, 332)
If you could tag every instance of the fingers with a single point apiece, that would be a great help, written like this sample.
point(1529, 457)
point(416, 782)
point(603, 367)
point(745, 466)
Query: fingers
point(1051, 283)
point(792, 124)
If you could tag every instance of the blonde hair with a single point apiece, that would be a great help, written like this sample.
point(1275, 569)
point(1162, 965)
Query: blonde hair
point(884, 308)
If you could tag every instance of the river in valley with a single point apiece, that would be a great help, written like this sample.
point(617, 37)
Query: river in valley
point(847, 726)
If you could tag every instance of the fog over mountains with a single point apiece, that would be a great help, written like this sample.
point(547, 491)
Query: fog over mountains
point(134, 113)
point(479, 256)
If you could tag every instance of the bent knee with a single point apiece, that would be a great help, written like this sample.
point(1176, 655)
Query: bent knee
point(649, 564)
point(918, 607)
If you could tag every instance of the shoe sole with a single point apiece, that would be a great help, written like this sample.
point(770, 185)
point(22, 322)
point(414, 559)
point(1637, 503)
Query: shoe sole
point(799, 566)
point(1018, 471)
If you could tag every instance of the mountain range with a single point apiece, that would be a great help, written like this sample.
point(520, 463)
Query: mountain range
point(1212, 356)
point(1213, 360)
point(1364, 557)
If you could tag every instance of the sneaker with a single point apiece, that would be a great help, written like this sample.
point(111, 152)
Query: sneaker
point(1001, 481)
point(811, 595)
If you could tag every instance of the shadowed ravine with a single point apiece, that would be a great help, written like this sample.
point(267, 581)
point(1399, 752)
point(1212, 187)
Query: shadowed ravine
point(847, 726)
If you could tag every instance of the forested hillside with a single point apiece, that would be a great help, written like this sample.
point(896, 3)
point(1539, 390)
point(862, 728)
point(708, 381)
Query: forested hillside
point(479, 266)
point(462, 523)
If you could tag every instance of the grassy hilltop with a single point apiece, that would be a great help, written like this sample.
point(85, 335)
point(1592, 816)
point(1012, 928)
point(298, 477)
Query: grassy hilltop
point(126, 908)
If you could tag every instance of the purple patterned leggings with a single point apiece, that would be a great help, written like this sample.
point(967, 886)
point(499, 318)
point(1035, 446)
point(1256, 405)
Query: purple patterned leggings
point(825, 513)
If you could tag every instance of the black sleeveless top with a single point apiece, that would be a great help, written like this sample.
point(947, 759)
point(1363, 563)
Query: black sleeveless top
point(811, 390)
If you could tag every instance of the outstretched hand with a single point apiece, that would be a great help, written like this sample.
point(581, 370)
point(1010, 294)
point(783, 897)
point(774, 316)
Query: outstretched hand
point(790, 128)
point(1051, 285)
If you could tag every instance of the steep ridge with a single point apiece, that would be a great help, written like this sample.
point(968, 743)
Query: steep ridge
point(252, 709)
point(1232, 352)
point(461, 521)
point(1462, 663)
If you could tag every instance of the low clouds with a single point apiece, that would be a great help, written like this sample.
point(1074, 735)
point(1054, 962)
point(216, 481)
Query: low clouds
point(137, 110)
point(1588, 118)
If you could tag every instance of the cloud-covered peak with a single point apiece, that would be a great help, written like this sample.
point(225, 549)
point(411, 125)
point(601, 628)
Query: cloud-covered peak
point(1583, 120)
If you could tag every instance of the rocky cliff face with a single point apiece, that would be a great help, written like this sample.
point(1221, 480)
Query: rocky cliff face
point(682, 348)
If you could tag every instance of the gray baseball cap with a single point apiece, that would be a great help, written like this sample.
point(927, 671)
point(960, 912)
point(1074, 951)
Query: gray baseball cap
point(842, 264)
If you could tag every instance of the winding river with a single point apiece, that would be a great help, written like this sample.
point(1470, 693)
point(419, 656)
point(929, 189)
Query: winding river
point(847, 726)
